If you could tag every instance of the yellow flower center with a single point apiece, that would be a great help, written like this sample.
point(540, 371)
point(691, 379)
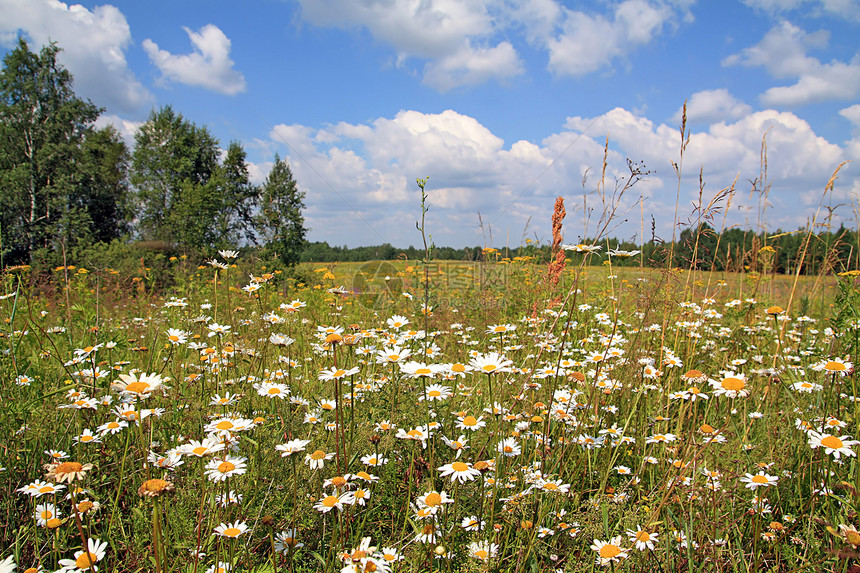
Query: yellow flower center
point(226, 467)
point(232, 532)
point(832, 366)
point(224, 425)
point(68, 468)
point(137, 387)
point(338, 481)
point(643, 536)
point(274, 390)
point(481, 554)
point(318, 455)
point(733, 384)
point(508, 449)
point(423, 371)
point(550, 486)
point(458, 368)
point(85, 559)
point(46, 489)
point(330, 501)
point(759, 479)
point(609, 551)
point(433, 499)
point(706, 429)
point(831, 442)
point(434, 393)
point(470, 421)
point(489, 367)
point(459, 467)
point(199, 450)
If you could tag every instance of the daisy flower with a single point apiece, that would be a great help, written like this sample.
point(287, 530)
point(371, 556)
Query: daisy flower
point(419, 369)
point(176, 336)
point(217, 329)
point(329, 502)
point(286, 540)
point(643, 539)
point(46, 513)
point(221, 470)
point(397, 321)
point(392, 355)
point(490, 363)
point(433, 500)
point(609, 552)
point(272, 390)
point(336, 373)
point(470, 423)
point(316, 460)
point(509, 447)
point(761, 479)
point(832, 445)
point(67, 471)
point(834, 366)
point(85, 560)
point(731, 385)
point(209, 445)
point(292, 447)
point(553, 486)
point(582, 248)
point(39, 488)
point(472, 523)
point(86, 437)
point(232, 530)
point(482, 550)
point(459, 471)
point(458, 445)
point(500, 328)
point(373, 460)
point(221, 567)
point(436, 392)
point(225, 426)
point(390, 555)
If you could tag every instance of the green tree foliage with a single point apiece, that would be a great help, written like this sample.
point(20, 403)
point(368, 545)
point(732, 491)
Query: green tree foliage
point(172, 168)
point(281, 222)
point(63, 182)
point(184, 196)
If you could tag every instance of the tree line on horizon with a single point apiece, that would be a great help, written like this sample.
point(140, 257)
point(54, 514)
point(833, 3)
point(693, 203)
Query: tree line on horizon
point(67, 186)
point(703, 248)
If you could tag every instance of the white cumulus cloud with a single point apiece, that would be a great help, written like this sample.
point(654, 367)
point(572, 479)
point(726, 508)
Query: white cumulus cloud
point(455, 37)
point(360, 178)
point(711, 106)
point(783, 53)
point(209, 66)
point(94, 44)
point(588, 42)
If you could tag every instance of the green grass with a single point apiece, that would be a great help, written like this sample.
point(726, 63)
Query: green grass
point(582, 355)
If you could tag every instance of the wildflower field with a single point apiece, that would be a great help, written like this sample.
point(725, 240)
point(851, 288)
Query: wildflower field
point(405, 417)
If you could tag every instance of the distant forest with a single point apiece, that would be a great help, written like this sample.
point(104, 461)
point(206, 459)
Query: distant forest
point(733, 250)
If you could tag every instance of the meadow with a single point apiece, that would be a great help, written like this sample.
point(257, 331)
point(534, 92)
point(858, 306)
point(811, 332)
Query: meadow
point(420, 416)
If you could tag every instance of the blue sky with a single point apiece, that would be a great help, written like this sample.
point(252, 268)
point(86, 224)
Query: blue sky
point(504, 104)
